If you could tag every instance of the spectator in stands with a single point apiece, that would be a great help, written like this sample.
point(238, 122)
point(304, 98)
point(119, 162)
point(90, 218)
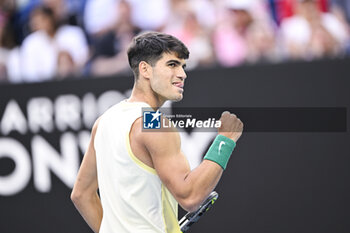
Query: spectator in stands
point(100, 16)
point(39, 51)
point(311, 34)
point(150, 14)
point(209, 18)
point(66, 67)
point(8, 46)
point(229, 37)
point(341, 10)
point(194, 35)
point(262, 43)
point(178, 12)
point(59, 9)
point(232, 36)
point(109, 50)
point(4, 47)
point(282, 9)
point(67, 11)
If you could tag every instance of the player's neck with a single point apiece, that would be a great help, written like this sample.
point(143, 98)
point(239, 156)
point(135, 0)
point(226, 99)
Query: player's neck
point(147, 96)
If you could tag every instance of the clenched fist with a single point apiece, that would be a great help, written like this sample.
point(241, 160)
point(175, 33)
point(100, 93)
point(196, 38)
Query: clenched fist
point(231, 126)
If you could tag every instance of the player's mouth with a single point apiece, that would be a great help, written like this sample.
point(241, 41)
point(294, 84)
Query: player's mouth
point(178, 84)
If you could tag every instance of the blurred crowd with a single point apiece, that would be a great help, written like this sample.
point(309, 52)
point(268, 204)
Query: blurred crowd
point(58, 39)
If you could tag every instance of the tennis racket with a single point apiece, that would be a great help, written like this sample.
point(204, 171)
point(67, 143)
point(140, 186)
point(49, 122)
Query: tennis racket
point(192, 217)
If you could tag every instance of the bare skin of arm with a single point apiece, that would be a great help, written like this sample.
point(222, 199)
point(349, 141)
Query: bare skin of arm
point(162, 150)
point(84, 194)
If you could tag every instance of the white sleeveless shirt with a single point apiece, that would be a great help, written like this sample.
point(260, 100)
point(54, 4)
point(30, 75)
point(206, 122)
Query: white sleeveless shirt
point(133, 197)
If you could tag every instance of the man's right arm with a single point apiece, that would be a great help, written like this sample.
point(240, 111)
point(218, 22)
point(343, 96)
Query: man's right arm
point(84, 194)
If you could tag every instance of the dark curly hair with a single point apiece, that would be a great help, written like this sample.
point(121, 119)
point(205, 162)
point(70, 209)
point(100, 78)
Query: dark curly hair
point(150, 46)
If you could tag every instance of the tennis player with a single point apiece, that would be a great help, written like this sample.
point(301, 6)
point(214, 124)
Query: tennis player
point(142, 176)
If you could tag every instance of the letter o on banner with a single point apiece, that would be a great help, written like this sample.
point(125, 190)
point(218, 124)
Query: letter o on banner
point(19, 178)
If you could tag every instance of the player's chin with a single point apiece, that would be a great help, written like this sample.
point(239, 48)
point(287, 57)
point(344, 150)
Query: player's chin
point(177, 98)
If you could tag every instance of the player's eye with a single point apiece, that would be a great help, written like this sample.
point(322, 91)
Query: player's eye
point(172, 64)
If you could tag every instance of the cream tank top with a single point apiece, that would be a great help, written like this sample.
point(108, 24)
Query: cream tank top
point(134, 200)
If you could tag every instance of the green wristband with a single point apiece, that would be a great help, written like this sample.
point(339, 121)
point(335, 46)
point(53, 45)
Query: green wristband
point(220, 150)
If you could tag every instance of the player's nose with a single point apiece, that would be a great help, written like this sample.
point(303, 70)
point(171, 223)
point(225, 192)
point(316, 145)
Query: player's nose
point(181, 74)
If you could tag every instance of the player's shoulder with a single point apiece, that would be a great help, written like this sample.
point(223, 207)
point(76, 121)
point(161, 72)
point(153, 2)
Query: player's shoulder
point(95, 126)
point(113, 111)
point(153, 135)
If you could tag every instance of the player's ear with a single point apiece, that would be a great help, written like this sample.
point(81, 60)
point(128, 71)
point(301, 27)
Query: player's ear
point(145, 69)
